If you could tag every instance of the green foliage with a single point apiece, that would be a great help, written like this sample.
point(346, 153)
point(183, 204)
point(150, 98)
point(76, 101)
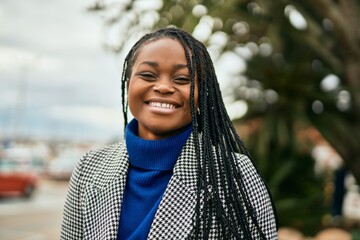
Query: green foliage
point(289, 172)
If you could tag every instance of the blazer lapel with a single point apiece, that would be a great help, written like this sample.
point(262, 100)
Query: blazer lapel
point(103, 196)
point(175, 213)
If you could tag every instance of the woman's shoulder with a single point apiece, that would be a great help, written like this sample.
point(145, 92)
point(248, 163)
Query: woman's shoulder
point(252, 177)
point(244, 162)
point(106, 150)
point(102, 157)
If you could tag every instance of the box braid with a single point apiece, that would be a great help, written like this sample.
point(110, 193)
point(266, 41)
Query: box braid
point(216, 143)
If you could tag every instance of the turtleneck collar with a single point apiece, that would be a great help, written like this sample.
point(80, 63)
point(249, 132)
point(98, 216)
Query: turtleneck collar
point(154, 154)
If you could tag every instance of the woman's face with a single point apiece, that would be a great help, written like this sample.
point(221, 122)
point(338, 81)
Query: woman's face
point(159, 89)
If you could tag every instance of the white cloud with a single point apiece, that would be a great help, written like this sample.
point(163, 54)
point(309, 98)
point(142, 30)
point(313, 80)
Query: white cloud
point(51, 55)
point(50, 24)
point(13, 59)
point(94, 115)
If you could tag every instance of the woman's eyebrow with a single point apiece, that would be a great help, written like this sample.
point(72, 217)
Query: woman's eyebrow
point(156, 64)
point(152, 64)
point(180, 66)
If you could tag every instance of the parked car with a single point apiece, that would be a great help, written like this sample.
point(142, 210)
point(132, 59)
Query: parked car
point(16, 179)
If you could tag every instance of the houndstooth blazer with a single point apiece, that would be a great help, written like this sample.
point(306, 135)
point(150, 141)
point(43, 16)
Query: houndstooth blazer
point(93, 203)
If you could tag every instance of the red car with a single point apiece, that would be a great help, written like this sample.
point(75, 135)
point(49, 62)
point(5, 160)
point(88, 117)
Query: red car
point(16, 179)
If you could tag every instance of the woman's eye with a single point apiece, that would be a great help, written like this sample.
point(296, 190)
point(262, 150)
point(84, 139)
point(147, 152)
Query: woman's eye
point(147, 76)
point(182, 80)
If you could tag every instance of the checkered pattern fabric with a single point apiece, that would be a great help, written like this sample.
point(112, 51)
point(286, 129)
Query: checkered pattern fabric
point(92, 207)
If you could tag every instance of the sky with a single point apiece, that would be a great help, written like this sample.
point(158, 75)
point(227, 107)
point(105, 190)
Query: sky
point(56, 79)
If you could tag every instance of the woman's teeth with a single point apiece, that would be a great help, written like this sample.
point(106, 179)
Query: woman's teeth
point(161, 105)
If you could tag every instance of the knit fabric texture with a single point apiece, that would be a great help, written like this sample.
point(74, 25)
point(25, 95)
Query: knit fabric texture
point(151, 167)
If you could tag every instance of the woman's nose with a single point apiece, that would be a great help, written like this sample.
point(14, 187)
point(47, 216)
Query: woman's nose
point(164, 87)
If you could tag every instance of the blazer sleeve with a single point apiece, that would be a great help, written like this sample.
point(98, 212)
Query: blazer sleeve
point(72, 222)
point(260, 198)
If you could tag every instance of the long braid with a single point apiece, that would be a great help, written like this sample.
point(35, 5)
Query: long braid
point(124, 92)
point(222, 154)
point(230, 166)
point(216, 143)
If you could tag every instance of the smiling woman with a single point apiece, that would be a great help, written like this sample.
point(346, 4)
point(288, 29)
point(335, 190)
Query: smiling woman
point(182, 171)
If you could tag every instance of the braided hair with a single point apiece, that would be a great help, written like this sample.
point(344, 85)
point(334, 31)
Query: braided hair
point(215, 141)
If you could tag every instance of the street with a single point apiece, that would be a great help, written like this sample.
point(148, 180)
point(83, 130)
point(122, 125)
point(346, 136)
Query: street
point(38, 218)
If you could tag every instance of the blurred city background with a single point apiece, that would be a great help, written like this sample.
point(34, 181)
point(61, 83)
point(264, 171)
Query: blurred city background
point(289, 73)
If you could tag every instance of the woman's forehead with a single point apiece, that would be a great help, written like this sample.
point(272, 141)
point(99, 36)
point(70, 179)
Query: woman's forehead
point(161, 50)
point(163, 42)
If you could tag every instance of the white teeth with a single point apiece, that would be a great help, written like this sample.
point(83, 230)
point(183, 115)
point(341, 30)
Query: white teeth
point(161, 105)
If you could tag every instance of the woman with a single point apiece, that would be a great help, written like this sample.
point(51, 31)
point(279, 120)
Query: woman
point(182, 171)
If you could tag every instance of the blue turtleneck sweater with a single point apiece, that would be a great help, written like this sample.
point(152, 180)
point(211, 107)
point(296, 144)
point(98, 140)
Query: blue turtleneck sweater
point(151, 167)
